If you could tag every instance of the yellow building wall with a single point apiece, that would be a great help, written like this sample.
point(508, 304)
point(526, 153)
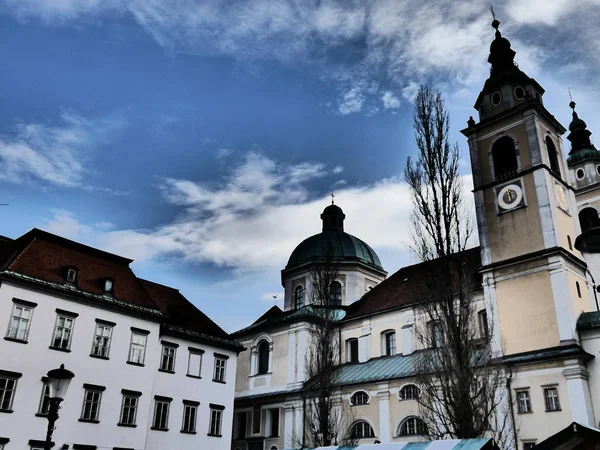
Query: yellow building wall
point(526, 312)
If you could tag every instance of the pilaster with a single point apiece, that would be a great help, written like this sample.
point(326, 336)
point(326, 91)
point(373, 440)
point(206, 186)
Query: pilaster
point(579, 393)
point(384, 416)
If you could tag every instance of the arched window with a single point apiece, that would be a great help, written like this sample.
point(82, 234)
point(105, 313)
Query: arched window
point(352, 350)
point(299, 297)
point(359, 398)
point(409, 392)
point(263, 357)
point(389, 342)
point(412, 426)
point(335, 293)
point(361, 430)
point(588, 218)
point(552, 156)
point(504, 156)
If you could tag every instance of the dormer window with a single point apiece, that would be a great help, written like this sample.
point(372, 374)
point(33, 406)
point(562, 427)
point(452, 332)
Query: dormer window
point(109, 285)
point(71, 275)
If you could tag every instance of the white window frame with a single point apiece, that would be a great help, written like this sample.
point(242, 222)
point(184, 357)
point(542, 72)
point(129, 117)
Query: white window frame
point(296, 289)
point(92, 416)
point(7, 380)
point(167, 358)
point(130, 402)
point(523, 408)
point(392, 350)
point(352, 403)
point(411, 422)
point(199, 353)
point(107, 340)
point(165, 405)
point(142, 354)
point(254, 414)
point(60, 330)
point(45, 394)
point(414, 389)
point(188, 422)
point(19, 319)
point(215, 421)
point(219, 371)
point(269, 426)
point(349, 343)
point(555, 399)
point(364, 424)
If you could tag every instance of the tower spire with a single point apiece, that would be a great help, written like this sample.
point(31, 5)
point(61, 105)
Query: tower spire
point(579, 136)
point(501, 55)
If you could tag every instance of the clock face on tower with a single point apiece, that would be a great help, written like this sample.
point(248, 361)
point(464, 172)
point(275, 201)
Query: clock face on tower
point(561, 197)
point(509, 197)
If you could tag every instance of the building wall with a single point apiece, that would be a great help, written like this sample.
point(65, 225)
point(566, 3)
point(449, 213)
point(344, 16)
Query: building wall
point(35, 358)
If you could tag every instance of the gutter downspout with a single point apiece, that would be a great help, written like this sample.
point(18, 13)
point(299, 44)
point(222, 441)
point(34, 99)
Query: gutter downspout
point(512, 408)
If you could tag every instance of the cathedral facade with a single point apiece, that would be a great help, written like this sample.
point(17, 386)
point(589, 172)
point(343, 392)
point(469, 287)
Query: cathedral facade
point(537, 207)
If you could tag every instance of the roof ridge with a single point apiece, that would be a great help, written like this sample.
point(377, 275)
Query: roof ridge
point(143, 280)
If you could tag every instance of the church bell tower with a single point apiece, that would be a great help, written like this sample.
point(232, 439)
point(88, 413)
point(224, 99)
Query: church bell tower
point(534, 278)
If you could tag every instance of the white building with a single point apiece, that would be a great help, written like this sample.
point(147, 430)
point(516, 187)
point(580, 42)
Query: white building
point(151, 371)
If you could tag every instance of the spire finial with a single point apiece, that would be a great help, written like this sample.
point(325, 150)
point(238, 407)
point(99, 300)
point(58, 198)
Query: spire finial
point(332, 197)
point(572, 103)
point(495, 22)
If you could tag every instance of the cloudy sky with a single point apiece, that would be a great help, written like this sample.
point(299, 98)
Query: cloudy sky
point(202, 138)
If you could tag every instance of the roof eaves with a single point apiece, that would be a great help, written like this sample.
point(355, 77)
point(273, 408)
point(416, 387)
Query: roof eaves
point(72, 290)
point(206, 338)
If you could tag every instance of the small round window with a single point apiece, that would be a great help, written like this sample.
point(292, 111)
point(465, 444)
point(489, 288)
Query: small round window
point(496, 98)
point(519, 93)
point(580, 174)
point(598, 170)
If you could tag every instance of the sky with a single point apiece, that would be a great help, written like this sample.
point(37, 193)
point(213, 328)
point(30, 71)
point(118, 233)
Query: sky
point(202, 139)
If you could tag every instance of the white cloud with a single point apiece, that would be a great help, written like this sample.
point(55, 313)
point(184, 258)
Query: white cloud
point(352, 101)
point(223, 152)
point(547, 12)
point(53, 154)
point(337, 169)
point(390, 101)
point(409, 92)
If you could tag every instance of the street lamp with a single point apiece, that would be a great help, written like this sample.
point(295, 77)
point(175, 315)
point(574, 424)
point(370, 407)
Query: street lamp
point(58, 383)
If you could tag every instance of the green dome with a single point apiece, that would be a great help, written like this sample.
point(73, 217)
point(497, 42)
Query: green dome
point(337, 245)
point(583, 155)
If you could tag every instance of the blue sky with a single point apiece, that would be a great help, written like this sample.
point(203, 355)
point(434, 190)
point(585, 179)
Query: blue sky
point(202, 138)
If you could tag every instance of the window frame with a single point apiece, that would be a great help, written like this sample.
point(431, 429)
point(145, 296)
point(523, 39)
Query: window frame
point(165, 407)
point(411, 388)
point(66, 317)
point(44, 405)
point(299, 297)
point(239, 432)
point(349, 343)
point(364, 394)
point(215, 416)
point(168, 359)
point(95, 352)
point(269, 428)
point(556, 400)
point(189, 423)
point(28, 306)
point(484, 330)
point(218, 369)
point(94, 414)
point(526, 407)
point(137, 333)
point(9, 377)
point(387, 347)
point(334, 300)
point(417, 425)
point(370, 434)
point(200, 354)
point(129, 395)
point(260, 354)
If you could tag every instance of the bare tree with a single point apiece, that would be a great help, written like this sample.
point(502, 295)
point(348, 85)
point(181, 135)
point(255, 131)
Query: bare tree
point(463, 391)
point(326, 415)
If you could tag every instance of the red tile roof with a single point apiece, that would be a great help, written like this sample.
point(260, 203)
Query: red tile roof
point(45, 256)
point(407, 286)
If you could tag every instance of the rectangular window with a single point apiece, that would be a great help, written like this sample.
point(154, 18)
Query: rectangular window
point(195, 363)
point(161, 414)
point(523, 402)
point(216, 417)
point(256, 419)
point(63, 332)
point(390, 343)
point(102, 336)
point(167, 359)
point(91, 405)
point(273, 422)
point(19, 322)
point(241, 420)
point(190, 410)
point(219, 374)
point(551, 396)
point(137, 348)
point(483, 324)
point(129, 409)
point(8, 386)
point(436, 337)
point(44, 400)
point(528, 445)
point(352, 350)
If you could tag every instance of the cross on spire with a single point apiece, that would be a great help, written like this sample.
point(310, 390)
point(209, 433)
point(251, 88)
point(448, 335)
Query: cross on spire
point(572, 104)
point(332, 197)
point(493, 13)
